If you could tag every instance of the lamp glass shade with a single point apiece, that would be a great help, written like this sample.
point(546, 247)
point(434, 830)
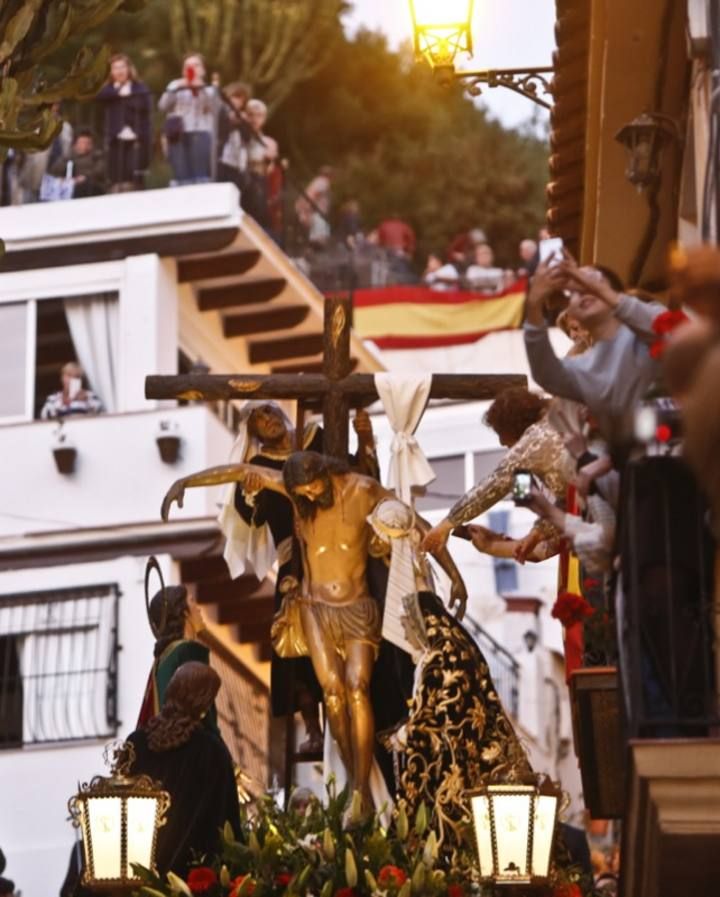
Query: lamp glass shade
point(512, 815)
point(546, 807)
point(442, 28)
point(141, 816)
point(483, 833)
point(102, 837)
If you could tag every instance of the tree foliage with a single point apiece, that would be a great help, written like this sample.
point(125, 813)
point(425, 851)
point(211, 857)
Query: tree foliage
point(402, 144)
point(32, 32)
point(271, 44)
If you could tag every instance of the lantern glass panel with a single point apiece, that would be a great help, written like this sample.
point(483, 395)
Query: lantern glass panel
point(104, 823)
point(481, 815)
point(140, 828)
point(543, 830)
point(441, 13)
point(512, 831)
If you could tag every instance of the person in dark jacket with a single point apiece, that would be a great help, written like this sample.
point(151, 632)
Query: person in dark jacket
point(84, 165)
point(127, 133)
point(193, 765)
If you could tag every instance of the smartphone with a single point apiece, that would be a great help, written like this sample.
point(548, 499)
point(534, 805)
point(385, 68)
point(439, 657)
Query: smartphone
point(190, 73)
point(522, 485)
point(551, 251)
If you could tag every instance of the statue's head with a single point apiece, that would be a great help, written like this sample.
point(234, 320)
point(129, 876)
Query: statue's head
point(307, 478)
point(268, 423)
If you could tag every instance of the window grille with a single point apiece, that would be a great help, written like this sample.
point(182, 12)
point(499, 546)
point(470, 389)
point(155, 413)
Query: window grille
point(58, 665)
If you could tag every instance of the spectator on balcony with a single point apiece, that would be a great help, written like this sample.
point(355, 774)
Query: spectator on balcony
point(191, 108)
point(461, 251)
point(615, 372)
point(528, 256)
point(483, 276)
point(234, 135)
point(313, 207)
point(519, 417)
point(262, 158)
point(439, 276)
point(397, 237)
point(194, 766)
point(127, 129)
point(350, 223)
point(84, 165)
point(73, 398)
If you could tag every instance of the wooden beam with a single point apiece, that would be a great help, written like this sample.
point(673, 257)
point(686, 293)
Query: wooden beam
point(204, 569)
point(264, 319)
point(241, 293)
point(226, 264)
point(359, 387)
point(289, 345)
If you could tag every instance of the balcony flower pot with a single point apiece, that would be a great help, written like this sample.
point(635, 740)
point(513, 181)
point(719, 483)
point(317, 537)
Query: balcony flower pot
point(65, 457)
point(168, 441)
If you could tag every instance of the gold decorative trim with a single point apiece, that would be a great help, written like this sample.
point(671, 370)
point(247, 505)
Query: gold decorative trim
point(245, 386)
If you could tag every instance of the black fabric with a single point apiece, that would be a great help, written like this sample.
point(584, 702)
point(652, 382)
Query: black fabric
point(667, 564)
point(273, 509)
point(199, 777)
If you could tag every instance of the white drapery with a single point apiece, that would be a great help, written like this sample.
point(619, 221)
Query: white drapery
point(93, 323)
point(404, 397)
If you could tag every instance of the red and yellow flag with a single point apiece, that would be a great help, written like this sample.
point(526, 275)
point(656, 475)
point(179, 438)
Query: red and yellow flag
point(416, 317)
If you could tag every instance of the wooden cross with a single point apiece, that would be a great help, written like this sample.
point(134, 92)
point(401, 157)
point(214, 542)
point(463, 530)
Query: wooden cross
point(336, 389)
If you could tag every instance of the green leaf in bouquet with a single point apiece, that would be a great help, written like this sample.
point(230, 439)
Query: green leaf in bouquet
point(147, 891)
point(177, 885)
point(370, 880)
point(327, 888)
point(405, 889)
point(147, 875)
point(378, 849)
point(253, 844)
point(417, 882)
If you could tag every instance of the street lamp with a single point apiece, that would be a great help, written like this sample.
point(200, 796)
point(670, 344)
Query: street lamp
point(119, 817)
point(644, 138)
point(515, 829)
point(442, 29)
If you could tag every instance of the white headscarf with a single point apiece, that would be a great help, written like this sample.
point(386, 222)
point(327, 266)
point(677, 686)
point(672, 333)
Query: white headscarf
point(248, 548)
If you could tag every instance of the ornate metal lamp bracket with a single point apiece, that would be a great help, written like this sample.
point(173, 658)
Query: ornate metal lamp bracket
point(529, 83)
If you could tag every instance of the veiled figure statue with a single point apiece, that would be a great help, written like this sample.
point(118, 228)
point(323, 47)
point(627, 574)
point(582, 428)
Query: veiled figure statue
point(457, 734)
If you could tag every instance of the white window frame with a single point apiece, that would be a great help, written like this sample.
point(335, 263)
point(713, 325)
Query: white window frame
point(40, 284)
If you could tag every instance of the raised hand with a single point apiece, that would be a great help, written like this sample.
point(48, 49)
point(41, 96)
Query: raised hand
point(175, 493)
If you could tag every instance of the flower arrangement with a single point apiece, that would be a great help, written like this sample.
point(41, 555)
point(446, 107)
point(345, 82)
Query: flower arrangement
point(277, 853)
point(571, 608)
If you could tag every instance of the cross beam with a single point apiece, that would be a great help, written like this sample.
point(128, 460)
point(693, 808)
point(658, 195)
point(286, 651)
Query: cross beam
point(337, 390)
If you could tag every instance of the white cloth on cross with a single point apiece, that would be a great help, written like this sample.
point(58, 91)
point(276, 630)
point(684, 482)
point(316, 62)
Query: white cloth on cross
point(404, 397)
point(248, 548)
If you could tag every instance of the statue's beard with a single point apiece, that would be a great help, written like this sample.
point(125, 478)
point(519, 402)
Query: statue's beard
point(308, 508)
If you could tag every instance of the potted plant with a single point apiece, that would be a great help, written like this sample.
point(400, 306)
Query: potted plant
point(168, 441)
point(64, 451)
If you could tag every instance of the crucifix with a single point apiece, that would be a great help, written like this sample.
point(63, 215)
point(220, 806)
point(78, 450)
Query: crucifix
point(336, 390)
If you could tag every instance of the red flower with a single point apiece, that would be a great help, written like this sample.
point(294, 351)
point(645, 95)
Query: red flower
point(591, 583)
point(201, 879)
point(345, 892)
point(283, 879)
point(237, 883)
point(570, 608)
point(571, 889)
point(391, 876)
point(456, 891)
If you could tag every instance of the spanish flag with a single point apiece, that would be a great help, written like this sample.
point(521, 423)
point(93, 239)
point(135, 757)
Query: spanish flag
point(410, 317)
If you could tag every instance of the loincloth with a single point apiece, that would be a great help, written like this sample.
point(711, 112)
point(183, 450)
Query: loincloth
point(357, 621)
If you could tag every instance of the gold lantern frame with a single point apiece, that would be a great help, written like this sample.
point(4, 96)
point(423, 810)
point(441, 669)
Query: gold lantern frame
point(120, 786)
point(531, 788)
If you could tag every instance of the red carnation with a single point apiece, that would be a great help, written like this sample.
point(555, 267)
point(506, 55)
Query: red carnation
point(570, 608)
point(237, 883)
point(663, 325)
point(591, 583)
point(456, 891)
point(345, 892)
point(283, 879)
point(201, 879)
point(391, 876)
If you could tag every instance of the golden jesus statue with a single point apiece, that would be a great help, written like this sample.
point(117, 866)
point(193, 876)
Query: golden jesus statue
point(341, 621)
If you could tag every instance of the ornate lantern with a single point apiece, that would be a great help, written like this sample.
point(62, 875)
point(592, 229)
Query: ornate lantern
point(515, 830)
point(644, 138)
point(441, 30)
point(119, 817)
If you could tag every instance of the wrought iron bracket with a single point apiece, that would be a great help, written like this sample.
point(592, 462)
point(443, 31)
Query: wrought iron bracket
point(529, 83)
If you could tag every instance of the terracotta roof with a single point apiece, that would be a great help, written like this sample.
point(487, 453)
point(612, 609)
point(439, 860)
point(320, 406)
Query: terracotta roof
point(567, 122)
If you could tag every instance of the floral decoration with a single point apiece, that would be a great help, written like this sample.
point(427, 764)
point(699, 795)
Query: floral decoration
point(663, 325)
point(571, 608)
